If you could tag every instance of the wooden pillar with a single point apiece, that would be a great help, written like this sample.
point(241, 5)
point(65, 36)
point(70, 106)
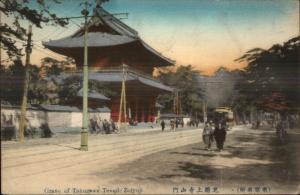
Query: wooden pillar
point(143, 111)
point(115, 109)
point(149, 112)
point(136, 110)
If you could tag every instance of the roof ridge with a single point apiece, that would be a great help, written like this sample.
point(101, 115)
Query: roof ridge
point(114, 23)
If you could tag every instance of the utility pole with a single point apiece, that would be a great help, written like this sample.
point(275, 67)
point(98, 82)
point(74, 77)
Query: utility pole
point(204, 104)
point(26, 84)
point(124, 91)
point(123, 97)
point(204, 111)
point(176, 102)
point(84, 130)
point(1, 39)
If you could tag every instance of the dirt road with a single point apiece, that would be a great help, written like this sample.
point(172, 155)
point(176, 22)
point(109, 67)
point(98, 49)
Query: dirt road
point(36, 167)
point(158, 162)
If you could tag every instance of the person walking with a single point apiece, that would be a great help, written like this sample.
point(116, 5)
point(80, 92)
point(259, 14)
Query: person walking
point(172, 124)
point(113, 125)
point(220, 135)
point(197, 123)
point(176, 123)
point(162, 125)
point(207, 135)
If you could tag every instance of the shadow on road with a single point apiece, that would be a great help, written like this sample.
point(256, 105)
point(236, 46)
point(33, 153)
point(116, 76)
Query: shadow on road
point(250, 157)
point(66, 146)
point(257, 158)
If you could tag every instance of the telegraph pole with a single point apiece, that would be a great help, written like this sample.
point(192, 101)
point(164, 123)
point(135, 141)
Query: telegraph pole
point(123, 97)
point(124, 91)
point(26, 83)
point(84, 130)
point(1, 39)
point(204, 104)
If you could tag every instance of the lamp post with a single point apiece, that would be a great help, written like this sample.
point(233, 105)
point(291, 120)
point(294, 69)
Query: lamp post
point(84, 130)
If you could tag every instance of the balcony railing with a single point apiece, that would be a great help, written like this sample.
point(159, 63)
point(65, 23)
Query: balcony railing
point(115, 69)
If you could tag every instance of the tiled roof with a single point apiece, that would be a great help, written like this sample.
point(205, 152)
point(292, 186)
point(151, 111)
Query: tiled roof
point(105, 30)
point(94, 95)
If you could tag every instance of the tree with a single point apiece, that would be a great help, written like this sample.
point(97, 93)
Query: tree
point(20, 10)
point(11, 82)
point(70, 86)
point(55, 67)
point(184, 79)
point(271, 79)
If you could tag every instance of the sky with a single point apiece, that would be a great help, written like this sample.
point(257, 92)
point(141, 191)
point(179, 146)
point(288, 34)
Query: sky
point(204, 33)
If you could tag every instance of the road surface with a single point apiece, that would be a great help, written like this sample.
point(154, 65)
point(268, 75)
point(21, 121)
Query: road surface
point(157, 162)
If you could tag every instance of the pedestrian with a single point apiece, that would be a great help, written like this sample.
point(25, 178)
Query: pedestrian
point(92, 127)
point(182, 123)
point(162, 125)
point(172, 124)
point(197, 123)
point(207, 135)
point(113, 125)
point(281, 131)
point(176, 123)
point(106, 126)
point(220, 135)
point(100, 125)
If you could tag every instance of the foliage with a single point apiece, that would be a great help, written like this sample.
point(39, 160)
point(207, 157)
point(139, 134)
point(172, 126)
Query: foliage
point(184, 79)
point(55, 67)
point(38, 89)
point(71, 85)
point(272, 75)
point(11, 82)
point(46, 89)
point(20, 11)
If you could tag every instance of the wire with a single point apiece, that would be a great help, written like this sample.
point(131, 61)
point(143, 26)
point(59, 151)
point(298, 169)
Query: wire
point(76, 23)
point(51, 52)
point(48, 54)
point(55, 33)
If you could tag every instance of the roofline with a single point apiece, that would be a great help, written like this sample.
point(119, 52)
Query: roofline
point(129, 70)
point(115, 19)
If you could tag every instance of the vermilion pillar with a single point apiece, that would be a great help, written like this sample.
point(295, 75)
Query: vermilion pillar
point(149, 112)
point(143, 112)
point(136, 110)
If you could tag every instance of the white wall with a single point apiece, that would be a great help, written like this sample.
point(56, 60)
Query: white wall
point(11, 117)
point(76, 117)
point(59, 119)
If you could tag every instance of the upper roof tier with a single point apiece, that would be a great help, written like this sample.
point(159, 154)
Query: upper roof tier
point(106, 32)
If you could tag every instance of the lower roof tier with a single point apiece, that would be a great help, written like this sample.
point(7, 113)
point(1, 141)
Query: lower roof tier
point(136, 83)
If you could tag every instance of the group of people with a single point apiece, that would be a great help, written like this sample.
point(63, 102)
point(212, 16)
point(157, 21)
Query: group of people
point(194, 123)
point(213, 133)
point(174, 124)
point(102, 126)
